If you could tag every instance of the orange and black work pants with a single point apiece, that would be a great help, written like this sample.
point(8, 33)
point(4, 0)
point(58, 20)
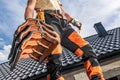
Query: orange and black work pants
point(79, 46)
point(53, 61)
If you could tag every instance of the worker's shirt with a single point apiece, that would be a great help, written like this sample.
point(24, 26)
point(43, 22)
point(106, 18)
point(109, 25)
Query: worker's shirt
point(47, 5)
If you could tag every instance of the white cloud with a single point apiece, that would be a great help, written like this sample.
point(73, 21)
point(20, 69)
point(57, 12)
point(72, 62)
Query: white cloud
point(116, 22)
point(86, 11)
point(2, 57)
point(4, 53)
point(1, 39)
point(93, 11)
point(16, 8)
point(14, 15)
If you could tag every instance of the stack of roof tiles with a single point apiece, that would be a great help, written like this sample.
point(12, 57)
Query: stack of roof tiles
point(30, 69)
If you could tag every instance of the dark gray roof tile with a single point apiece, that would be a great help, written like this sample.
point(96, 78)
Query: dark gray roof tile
point(28, 67)
point(18, 78)
point(24, 76)
point(37, 72)
point(30, 75)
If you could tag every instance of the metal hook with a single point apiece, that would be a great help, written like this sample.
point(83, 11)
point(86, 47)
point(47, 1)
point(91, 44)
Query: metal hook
point(40, 27)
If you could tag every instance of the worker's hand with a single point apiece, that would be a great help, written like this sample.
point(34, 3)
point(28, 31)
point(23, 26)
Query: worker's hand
point(77, 23)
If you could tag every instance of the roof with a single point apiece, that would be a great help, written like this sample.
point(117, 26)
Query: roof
point(29, 69)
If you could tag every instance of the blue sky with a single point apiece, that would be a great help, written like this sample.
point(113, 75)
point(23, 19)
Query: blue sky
point(86, 11)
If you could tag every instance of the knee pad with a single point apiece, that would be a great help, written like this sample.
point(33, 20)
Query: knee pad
point(93, 70)
point(88, 52)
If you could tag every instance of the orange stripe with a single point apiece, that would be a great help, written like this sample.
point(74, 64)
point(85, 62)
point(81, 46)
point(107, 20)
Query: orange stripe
point(93, 70)
point(79, 52)
point(97, 70)
point(57, 50)
point(60, 78)
point(48, 77)
point(87, 65)
point(77, 39)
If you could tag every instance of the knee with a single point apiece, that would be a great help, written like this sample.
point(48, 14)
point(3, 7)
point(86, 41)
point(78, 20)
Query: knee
point(57, 50)
point(88, 52)
point(54, 66)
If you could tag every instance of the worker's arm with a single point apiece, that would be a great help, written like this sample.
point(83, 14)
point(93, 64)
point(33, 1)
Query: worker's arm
point(29, 11)
point(70, 19)
point(67, 16)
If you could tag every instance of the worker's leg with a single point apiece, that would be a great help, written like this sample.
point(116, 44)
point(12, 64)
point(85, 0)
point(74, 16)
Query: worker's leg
point(91, 63)
point(81, 47)
point(54, 63)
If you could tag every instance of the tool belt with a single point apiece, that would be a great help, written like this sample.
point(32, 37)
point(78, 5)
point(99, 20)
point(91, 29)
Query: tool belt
point(49, 11)
point(34, 39)
point(52, 12)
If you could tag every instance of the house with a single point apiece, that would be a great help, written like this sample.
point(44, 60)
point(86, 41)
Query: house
point(107, 49)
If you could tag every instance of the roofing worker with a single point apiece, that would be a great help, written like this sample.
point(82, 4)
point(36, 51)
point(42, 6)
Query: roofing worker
point(81, 47)
point(46, 11)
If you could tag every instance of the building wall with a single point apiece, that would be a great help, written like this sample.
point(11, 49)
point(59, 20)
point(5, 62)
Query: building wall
point(111, 69)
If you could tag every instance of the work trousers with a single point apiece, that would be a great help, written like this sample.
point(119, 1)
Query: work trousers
point(82, 48)
point(53, 61)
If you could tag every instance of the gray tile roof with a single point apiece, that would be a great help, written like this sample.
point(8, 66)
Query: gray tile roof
point(30, 69)
point(107, 44)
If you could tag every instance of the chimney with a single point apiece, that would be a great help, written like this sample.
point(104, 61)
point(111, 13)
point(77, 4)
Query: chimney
point(100, 29)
